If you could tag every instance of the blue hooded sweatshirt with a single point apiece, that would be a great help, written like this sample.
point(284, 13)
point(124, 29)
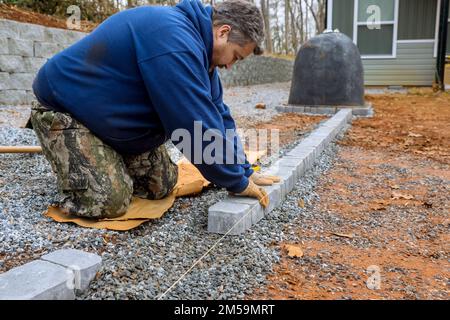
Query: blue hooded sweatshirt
point(142, 74)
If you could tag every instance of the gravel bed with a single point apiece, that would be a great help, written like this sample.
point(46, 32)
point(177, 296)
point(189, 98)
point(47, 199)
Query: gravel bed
point(14, 116)
point(146, 261)
point(242, 101)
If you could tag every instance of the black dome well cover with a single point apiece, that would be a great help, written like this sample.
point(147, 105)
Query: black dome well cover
point(328, 72)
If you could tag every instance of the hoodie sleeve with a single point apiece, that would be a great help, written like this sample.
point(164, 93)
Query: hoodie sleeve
point(179, 88)
point(229, 122)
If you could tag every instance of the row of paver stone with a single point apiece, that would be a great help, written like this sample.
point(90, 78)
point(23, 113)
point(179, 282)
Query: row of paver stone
point(56, 276)
point(234, 215)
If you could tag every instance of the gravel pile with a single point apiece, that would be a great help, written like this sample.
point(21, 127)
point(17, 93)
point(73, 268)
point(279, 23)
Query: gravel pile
point(26, 187)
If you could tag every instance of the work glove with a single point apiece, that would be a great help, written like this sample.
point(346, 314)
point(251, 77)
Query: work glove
point(254, 191)
point(263, 179)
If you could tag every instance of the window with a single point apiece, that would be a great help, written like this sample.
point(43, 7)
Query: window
point(387, 9)
point(376, 41)
point(376, 28)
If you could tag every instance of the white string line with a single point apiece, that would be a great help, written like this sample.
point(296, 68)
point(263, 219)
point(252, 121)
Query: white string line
point(204, 255)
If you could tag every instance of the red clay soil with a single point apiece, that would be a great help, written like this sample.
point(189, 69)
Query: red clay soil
point(384, 205)
point(291, 125)
point(418, 123)
point(18, 14)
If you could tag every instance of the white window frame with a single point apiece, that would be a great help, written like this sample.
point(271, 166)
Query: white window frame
point(436, 39)
point(416, 41)
point(436, 36)
point(394, 22)
point(330, 15)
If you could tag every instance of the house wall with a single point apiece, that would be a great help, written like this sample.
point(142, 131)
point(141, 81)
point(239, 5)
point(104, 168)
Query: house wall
point(412, 11)
point(414, 63)
point(414, 66)
point(342, 16)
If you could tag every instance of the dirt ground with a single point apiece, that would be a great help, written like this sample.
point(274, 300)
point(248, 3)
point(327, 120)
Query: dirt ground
point(291, 127)
point(11, 12)
point(417, 123)
point(384, 211)
point(447, 74)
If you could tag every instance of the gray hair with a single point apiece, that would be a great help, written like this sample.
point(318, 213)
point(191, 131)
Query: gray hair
point(245, 20)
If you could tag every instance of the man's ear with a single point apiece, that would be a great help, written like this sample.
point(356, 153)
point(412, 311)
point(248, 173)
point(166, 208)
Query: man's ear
point(224, 30)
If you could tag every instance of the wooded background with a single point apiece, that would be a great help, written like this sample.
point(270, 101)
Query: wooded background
point(289, 22)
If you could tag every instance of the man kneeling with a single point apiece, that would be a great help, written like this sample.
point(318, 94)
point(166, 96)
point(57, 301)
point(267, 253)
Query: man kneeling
point(107, 104)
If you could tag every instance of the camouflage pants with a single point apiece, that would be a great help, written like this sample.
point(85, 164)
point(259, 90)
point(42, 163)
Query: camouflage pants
point(93, 179)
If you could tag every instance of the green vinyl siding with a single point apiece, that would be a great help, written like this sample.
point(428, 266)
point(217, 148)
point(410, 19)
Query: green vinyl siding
point(414, 66)
point(343, 16)
point(417, 19)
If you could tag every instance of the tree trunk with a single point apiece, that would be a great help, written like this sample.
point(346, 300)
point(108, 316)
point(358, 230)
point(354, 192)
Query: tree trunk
point(293, 30)
point(277, 37)
point(306, 21)
point(131, 4)
point(287, 30)
point(300, 22)
point(318, 14)
point(321, 16)
point(266, 16)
